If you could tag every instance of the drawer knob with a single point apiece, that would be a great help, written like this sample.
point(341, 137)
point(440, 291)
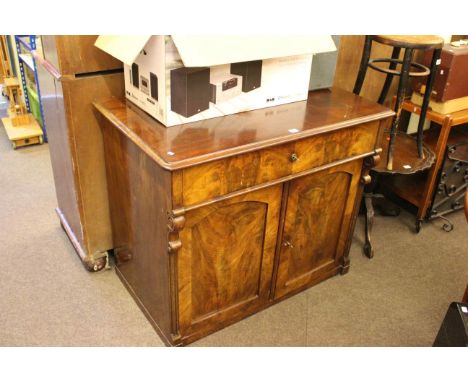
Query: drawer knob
point(288, 244)
point(366, 179)
point(293, 157)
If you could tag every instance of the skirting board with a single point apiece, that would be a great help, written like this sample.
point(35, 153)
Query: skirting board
point(91, 263)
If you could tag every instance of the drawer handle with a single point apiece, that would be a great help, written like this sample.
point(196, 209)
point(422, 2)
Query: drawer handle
point(293, 157)
point(366, 179)
point(288, 244)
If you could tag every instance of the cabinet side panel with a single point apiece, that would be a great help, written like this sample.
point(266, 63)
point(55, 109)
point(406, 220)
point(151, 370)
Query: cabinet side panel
point(62, 153)
point(87, 137)
point(139, 195)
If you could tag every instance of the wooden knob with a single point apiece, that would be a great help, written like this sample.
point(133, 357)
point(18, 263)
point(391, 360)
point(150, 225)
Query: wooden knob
point(366, 179)
point(293, 157)
point(174, 246)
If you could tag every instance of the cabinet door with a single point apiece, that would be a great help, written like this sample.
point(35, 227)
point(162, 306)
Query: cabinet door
point(225, 263)
point(316, 226)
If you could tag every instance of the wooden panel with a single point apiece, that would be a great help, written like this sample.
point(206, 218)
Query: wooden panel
point(207, 181)
point(62, 151)
point(347, 67)
point(86, 138)
point(77, 54)
point(317, 218)
point(211, 180)
point(222, 243)
point(190, 144)
point(140, 228)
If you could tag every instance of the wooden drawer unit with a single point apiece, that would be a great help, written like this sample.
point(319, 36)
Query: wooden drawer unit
point(207, 233)
point(217, 178)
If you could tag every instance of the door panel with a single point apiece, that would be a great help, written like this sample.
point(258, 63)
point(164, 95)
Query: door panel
point(226, 260)
point(317, 218)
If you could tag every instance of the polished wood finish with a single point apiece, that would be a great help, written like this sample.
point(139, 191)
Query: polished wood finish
point(76, 54)
point(419, 189)
point(198, 142)
point(75, 142)
point(406, 159)
point(89, 155)
point(200, 235)
point(224, 176)
point(312, 241)
point(140, 230)
point(222, 243)
point(411, 41)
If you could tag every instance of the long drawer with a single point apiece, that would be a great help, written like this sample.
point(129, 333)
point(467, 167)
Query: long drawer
point(213, 179)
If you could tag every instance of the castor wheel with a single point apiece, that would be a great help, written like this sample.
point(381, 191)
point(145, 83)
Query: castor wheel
point(13, 144)
point(368, 250)
point(418, 225)
point(41, 140)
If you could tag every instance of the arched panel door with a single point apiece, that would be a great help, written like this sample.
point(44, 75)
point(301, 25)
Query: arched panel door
point(226, 259)
point(317, 220)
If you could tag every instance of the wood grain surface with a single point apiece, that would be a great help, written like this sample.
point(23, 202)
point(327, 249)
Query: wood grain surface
point(194, 143)
point(247, 218)
point(76, 54)
point(223, 176)
point(318, 213)
point(226, 261)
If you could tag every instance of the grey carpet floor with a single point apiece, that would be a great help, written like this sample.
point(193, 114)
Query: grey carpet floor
point(399, 298)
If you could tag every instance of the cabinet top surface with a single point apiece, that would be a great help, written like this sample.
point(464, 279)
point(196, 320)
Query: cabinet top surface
point(198, 142)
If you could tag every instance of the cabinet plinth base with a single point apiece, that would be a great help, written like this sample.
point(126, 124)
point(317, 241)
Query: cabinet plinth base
point(91, 263)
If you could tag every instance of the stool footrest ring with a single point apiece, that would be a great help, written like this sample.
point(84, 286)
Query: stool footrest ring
point(425, 70)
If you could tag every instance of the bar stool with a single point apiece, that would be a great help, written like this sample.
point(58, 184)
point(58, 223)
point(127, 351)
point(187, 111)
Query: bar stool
point(403, 153)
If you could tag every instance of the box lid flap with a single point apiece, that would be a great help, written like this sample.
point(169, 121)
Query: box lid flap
point(124, 48)
point(217, 50)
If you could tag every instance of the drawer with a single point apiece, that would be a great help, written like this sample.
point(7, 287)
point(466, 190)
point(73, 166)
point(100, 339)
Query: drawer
point(213, 179)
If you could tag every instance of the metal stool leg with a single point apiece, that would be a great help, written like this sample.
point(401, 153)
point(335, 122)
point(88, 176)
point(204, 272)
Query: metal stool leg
point(363, 67)
point(399, 100)
point(427, 96)
point(389, 78)
point(369, 221)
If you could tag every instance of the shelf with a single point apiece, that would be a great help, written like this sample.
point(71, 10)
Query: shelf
point(28, 60)
point(408, 187)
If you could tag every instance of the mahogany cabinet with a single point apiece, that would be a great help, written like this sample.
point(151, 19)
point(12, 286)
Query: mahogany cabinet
point(216, 220)
point(72, 74)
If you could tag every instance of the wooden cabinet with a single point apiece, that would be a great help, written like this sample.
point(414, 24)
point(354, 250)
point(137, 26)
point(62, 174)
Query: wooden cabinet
point(217, 220)
point(75, 139)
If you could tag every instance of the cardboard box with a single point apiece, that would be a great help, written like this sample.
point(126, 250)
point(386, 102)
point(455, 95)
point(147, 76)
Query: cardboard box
point(181, 79)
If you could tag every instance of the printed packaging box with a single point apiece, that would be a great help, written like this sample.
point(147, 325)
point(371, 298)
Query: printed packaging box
point(181, 79)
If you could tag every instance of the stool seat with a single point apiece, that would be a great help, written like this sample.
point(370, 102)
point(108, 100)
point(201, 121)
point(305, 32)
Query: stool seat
point(424, 42)
point(406, 159)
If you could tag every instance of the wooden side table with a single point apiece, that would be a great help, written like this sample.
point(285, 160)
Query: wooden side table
point(419, 189)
